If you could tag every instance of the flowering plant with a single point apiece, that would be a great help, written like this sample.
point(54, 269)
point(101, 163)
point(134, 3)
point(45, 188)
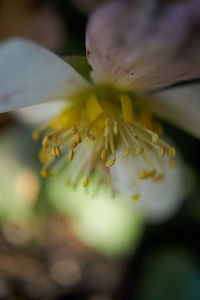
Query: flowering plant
point(134, 49)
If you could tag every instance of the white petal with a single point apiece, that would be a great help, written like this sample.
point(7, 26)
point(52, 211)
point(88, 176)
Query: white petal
point(30, 74)
point(158, 201)
point(180, 106)
point(39, 114)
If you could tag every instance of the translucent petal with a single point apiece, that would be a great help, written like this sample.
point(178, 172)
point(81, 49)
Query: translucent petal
point(157, 200)
point(39, 114)
point(30, 74)
point(145, 44)
point(180, 106)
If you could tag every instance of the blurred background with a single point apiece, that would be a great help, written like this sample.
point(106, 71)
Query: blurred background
point(61, 243)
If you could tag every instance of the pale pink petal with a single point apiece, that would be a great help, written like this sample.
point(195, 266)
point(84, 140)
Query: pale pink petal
point(30, 74)
point(180, 106)
point(144, 44)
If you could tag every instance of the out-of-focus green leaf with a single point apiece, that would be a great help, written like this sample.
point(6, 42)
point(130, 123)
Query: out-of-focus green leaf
point(19, 181)
point(106, 224)
point(80, 64)
point(170, 274)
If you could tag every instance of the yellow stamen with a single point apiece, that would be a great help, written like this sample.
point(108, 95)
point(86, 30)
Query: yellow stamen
point(162, 152)
point(91, 137)
point(172, 163)
point(55, 151)
point(67, 118)
point(110, 163)
point(152, 173)
point(139, 150)
point(104, 154)
point(115, 128)
point(74, 129)
point(158, 178)
point(154, 138)
point(127, 110)
point(107, 128)
point(71, 155)
point(145, 118)
point(85, 183)
point(147, 174)
point(143, 175)
point(78, 138)
point(54, 138)
point(94, 109)
point(44, 173)
point(73, 144)
point(135, 197)
point(127, 151)
point(157, 127)
point(172, 152)
point(36, 135)
point(45, 140)
point(132, 131)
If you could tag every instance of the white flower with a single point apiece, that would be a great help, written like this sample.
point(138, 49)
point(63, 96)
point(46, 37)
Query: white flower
point(108, 126)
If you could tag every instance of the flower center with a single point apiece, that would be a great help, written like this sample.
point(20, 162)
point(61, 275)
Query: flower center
point(87, 134)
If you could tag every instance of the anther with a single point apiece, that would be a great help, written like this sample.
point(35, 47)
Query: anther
point(78, 138)
point(133, 133)
point(151, 173)
point(71, 155)
point(108, 122)
point(115, 128)
point(73, 144)
point(172, 152)
point(154, 138)
point(110, 163)
point(158, 178)
point(74, 129)
point(126, 152)
point(143, 175)
point(44, 148)
point(91, 137)
point(45, 140)
point(44, 173)
point(162, 152)
point(139, 150)
point(54, 138)
point(135, 197)
point(107, 129)
point(85, 183)
point(104, 154)
point(172, 163)
point(36, 135)
point(55, 151)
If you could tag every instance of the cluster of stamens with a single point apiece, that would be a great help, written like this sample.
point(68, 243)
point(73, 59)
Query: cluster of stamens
point(118, 126)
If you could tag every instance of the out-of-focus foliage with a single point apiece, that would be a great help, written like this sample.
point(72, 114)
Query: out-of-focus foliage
point(104, 222)
point(19, 181)
point(170, 274)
